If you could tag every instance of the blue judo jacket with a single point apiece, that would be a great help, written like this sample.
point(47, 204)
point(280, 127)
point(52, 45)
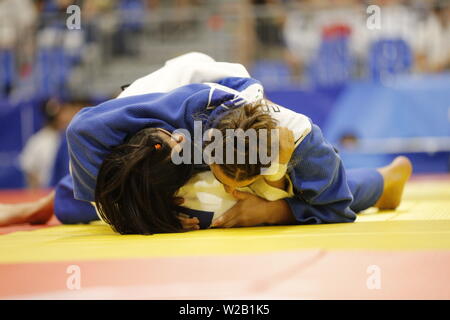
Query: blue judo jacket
point(321, 191)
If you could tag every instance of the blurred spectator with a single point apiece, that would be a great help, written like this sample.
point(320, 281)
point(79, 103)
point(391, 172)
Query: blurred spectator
point(58, 49)
point(132, 14)
point(435, 39)
point(53, 32)
point(287, 38)
point(427, 37)
point(272, 61)
point(269, 21)
point(38, 156)
point(392, 48)
point(315, 22)
point(348, 141)
point(39, 152)
point(92, 11)
point(17, 22)
point(397, 21)
point(16, 17)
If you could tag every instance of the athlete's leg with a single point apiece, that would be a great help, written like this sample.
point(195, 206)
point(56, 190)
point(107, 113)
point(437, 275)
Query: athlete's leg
point(382, 188)
point(37, 212)
point(67, 209)
point(395, 176)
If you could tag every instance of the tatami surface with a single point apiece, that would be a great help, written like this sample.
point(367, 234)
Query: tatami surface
point(407, 249)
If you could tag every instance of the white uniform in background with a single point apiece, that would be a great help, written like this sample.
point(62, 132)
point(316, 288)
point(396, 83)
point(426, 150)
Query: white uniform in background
point(38, 155)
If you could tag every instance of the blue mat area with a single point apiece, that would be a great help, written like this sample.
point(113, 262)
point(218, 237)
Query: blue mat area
point(413, 107)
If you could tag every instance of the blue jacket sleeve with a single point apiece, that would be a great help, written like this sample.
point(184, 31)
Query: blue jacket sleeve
point(320, 183)
point(95, 130)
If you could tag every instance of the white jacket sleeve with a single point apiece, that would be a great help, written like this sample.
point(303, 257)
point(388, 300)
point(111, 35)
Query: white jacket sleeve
point(189, 68)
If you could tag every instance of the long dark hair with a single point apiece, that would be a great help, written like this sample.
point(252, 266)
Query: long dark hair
point(136, 186)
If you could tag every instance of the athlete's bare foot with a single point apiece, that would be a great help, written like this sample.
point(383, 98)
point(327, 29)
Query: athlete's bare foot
point(38, 212)
point(395, 176)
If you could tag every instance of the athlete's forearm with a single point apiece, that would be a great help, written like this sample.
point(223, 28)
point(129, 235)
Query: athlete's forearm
point(279, 212)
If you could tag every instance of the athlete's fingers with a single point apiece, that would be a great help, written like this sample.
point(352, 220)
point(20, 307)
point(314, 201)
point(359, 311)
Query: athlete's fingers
point(190, 227)
point(193, 228)
point(229, 215)
point(189, 220)
point(233, 222)
point(189, 223)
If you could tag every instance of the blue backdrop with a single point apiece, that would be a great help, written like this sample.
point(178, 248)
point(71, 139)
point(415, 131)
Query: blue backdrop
point(413, 106)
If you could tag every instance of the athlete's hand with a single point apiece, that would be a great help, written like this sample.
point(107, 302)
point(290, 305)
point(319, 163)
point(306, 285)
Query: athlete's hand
point(286, 144)
point(251, 211)
point(188, 224)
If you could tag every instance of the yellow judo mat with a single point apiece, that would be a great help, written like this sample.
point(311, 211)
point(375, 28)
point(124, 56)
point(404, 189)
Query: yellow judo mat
point(422, 222)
